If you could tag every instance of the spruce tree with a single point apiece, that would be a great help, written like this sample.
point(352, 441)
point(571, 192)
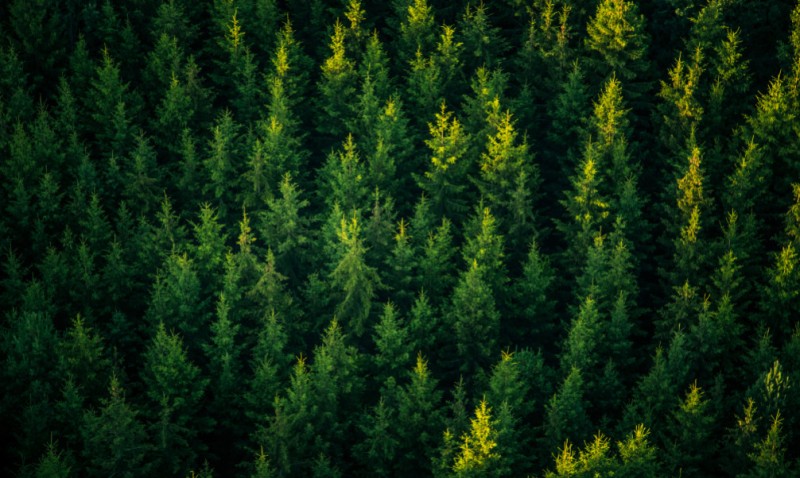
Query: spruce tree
point(174, 391)
point(115, 440)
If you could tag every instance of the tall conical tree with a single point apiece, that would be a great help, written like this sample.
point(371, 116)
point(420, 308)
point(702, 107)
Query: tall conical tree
point(475, 321)
point(174, 389)
point(353, 280)
point(114, 437)
point(445, 181)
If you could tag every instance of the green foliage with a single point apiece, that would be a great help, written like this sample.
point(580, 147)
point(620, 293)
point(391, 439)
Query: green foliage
point(566, 417)
point(475, 320)
point(115, 440)
point(354, 281)
point(478, 452)
point(445, 180)
point(174, 392)
point(197, 196)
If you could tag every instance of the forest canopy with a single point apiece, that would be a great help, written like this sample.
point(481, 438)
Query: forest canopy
point(344, 238)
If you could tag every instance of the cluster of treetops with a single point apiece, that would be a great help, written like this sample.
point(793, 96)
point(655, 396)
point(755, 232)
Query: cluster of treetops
point(327, 238)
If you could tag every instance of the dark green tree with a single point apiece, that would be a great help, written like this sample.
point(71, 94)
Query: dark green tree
point(174, 391)
point(115, 440)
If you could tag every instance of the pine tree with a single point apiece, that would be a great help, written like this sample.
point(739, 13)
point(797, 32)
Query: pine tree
point(115, 440)
point(508, 394)
point(354, 281)
point(532, 307)
point(639, 456)
point(618, 45)
point(82, 358)
point(768, 455)
point(419, 420)
point(475, 320)
point(566, 417)
point(284, 227)
point(174, 389)
point(112, 109)
point(378, 450)
point(690, 450)
point(223, 353)
point(509, 181)
point(263, 467)
point(480, 38)
point(586, 209)
point(392, 345)
point(416, 30)
point(478, 454)
point(437, 268)
point(221, 168)
point(53, 464)
point(343, 179)
point(445, 180)
point(337, 85)
point(176, 300)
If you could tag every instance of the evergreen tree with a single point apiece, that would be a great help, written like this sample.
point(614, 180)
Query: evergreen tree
point(532, 307)
point(115, 440)
point(475, 321)
point(174, 389)
point(445, 180)
point(566, 417)
point(392, 344)
point(337, 84)
point(618, 44)
point(420, 421)
point(354, 281)
point(221, 166)
point(509, 181)
point(690, 449)
point(53, 464)
point(478, 454)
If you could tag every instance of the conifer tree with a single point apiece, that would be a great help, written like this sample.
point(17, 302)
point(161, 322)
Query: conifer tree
point(690, 449)
point(343, 179)
point(112, 109)
point(531, 320)
point(478, 454)
point(53, 464)
point(566, 417)
point(379, 448)
point(509, 180)
point(223, 353)
point(508, 394)
point(420, 420)
point(481, 39)
point(221, 165)
point(402, 267)
point(485, 246)
point(618, 44)
point(284, 227)
point(437, 267)
point(177, 300)
point(768, 455)
point(354, 281)
point(445, 181)
point(475, 320)
point(115, 440)
point(417, 33)
point(586, 209)
point(174, 389)
point(392, 344)
point(338, 83)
